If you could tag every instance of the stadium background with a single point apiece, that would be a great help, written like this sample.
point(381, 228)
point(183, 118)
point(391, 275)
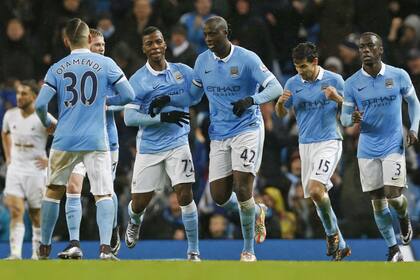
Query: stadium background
point(30, 41)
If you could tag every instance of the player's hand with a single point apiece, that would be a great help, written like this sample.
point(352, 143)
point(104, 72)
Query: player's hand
point(176, 117)
point(157, 104)
point(285, 96)
point(411, 138)
point(240, 106)
point(332, 94)
point(357, 117)
point(51, 128)
point(41, 162)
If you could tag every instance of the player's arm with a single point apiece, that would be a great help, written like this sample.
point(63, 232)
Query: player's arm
point(281, 110)
point(414, 115)
point(41, 104)
point(332, 94)
point(271, 91)
point(125, 93)
point(132, 117)
point(7, 145)
point(193, 97)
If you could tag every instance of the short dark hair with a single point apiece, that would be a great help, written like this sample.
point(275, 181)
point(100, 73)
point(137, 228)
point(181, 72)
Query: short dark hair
point(32, 84)
point(374, 35)
point(76, 30)
point(303, 51)
point(149, 30)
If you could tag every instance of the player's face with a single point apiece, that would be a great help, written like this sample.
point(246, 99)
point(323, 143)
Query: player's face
point(154, 46)
point(370, 49)
point(215, 38)
point(24, 96)
point(306, 69)
point(97, 45)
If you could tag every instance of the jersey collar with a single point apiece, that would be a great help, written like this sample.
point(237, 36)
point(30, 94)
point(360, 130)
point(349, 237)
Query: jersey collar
point(318, 78)
point(80, 51)
point(226, 59)
point(157, 73)
point(382, 72)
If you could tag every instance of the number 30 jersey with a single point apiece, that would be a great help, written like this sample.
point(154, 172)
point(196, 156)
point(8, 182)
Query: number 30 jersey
point(82, 80)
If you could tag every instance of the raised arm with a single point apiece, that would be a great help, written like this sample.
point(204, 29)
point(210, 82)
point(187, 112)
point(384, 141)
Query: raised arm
point(281, 110)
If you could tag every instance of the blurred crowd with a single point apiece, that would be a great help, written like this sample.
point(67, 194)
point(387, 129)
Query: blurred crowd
point(31, 40)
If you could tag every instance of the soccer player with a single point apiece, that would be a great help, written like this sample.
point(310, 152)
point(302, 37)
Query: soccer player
point(372, 98)
point(81, 81)
point(74, 187)
point(24, 140)
point(315, 95)
point(230, 76)
point(163, 154)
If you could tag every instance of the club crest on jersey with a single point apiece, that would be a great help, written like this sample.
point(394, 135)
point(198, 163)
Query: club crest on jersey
point(234, 71)
point(389, 83)
point(263, 68)
point(178, 76)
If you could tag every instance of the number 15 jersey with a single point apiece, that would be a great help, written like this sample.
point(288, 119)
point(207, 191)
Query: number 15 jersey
point(82, 80)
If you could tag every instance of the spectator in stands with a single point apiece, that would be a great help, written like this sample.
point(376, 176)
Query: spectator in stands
point(180, 50)
point(194, 22)
point(348, 52)
point(17, 60)
point(106, 25)
point(246, 28)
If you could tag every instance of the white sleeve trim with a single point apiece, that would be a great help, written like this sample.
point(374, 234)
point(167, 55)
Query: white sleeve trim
point(410, 92)
point(269, 78)
point(197, 83)
point(132, 106)
point(121, 80)
point(46, 84)
point(350, 104)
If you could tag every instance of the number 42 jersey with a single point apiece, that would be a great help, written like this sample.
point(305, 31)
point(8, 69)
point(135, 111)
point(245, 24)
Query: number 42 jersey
point(82, 80)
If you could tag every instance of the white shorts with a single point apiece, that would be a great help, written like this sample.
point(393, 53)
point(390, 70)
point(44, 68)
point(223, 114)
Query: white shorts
point(97, 163)
point(242, 152)
point(379, 172)
point(29, 187)
point(319, 161)
point(81, 169)
point(155, 171)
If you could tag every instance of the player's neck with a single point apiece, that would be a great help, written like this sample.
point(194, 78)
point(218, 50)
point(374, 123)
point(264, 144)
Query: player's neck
point(225, 51)
point(158, 65)
point(373, 69)
point(28, 111)
point(316, 73)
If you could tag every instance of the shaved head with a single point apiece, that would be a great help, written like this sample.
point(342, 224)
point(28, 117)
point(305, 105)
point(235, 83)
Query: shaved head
point(378, 40)
point(217, 23)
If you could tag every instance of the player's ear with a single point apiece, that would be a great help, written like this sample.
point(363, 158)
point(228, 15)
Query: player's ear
point(90, 38)
point(66, 41)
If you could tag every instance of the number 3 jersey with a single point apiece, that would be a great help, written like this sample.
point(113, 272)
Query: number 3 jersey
point(28, 141)
point(82, 80)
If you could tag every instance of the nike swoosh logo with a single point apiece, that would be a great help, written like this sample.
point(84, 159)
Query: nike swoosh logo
point(394, 179)
point(316, 173)
point(362, 88)
point(299, 90)
point(207, 71)
point(188, 175)
point(246, 165)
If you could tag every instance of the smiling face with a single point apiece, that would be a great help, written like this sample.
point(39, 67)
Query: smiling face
point(97, 45)
point(370, 49)
point(154, 46)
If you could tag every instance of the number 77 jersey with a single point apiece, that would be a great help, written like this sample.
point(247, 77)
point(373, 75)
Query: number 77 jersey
point(82, 80)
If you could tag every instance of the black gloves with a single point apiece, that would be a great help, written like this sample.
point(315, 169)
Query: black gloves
point(158, 103)
point(240, 106)
point(176, 117)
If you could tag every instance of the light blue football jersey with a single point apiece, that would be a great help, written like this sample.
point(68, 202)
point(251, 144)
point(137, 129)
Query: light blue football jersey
point(228, 80)
point(111, 127)
point(316, 115)
point(81, 81)
point(149, 84)
point(379, 98)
